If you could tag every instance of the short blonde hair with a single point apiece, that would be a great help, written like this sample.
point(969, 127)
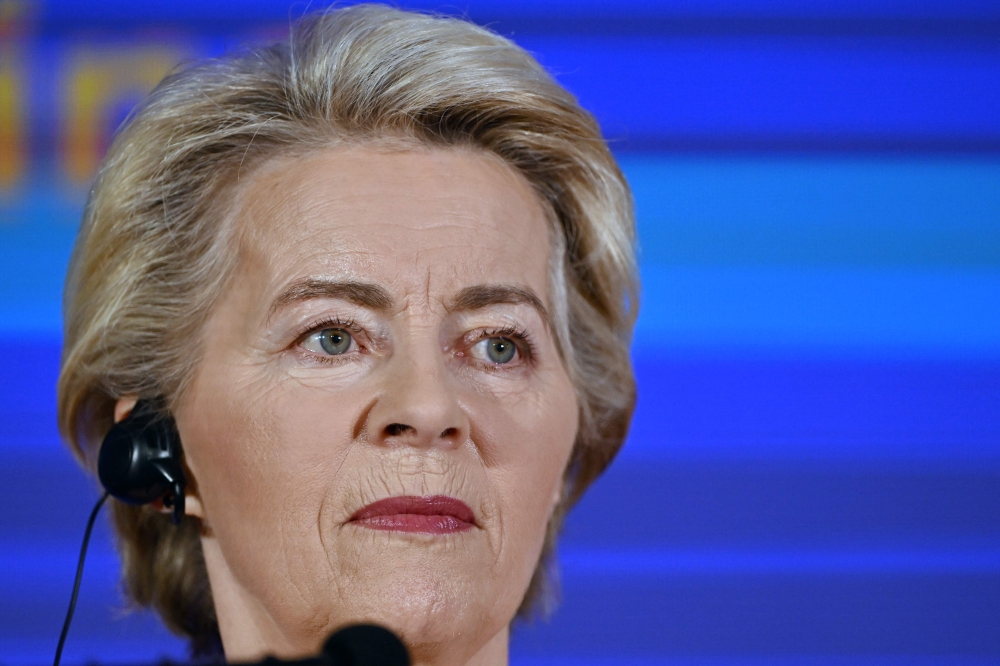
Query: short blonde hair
point(152, 255)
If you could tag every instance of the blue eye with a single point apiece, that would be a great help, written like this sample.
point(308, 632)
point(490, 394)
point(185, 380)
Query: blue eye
point(332, 341)
point(495, 350)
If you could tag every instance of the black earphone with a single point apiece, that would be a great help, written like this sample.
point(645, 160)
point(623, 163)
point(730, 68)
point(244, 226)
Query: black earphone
point(140, 459)
point(139, 463)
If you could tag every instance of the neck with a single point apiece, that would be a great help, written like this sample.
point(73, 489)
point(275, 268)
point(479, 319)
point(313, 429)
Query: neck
point(247, 633)
point(494, 653)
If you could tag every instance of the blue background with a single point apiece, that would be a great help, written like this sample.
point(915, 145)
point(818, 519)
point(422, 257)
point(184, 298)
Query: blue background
point(813, 475)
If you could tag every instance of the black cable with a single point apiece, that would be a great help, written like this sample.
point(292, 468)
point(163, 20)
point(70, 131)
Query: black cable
point(79, 577)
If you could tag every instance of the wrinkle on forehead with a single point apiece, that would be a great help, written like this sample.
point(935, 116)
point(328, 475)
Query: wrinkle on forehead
point(270, 183)
point(467, 210)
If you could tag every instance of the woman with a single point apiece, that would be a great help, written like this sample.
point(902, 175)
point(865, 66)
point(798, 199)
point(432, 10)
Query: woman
point(383, 278)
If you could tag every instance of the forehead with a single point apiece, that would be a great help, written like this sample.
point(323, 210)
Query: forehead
point(436, 219)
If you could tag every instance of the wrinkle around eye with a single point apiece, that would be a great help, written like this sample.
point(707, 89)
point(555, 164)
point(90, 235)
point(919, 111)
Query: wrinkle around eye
point(299, 336)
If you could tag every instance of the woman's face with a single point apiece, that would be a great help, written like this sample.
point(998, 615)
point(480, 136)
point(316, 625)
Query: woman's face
point(386, 336)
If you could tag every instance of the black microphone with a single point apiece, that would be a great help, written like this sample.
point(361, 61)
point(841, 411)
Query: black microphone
point(365, 645)
point(356, 645)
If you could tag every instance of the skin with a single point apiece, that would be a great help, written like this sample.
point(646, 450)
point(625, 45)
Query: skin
point(285, 441)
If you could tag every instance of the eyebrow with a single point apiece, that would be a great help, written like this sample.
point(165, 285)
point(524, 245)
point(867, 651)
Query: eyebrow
point(485, 295)
point(376, 297)
point(360, 293)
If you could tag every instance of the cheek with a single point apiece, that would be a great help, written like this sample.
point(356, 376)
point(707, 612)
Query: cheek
point(526, 448)
point(263, 453)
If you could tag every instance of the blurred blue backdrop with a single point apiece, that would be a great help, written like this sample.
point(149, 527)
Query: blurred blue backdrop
point(818, 432)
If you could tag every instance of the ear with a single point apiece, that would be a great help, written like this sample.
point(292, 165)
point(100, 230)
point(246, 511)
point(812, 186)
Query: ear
point(192, 503)
point(124, 406)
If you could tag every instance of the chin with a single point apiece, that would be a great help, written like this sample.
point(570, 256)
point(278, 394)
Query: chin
point(437, 617)
point(428, 590)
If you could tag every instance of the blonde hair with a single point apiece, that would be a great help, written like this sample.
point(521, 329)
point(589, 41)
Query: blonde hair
point(152, 254)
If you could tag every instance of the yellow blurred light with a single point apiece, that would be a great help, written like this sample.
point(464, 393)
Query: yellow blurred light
point(95, 83)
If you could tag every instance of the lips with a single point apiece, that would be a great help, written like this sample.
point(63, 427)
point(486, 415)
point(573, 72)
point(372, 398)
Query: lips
point(433, 514)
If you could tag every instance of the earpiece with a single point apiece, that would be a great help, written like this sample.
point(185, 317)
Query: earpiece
point(140, 459)
point(139, 463)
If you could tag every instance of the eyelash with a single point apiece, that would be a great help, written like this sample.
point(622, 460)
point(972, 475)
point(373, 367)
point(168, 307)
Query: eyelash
point(523, 340)
point(520, 336)
point(333, 322)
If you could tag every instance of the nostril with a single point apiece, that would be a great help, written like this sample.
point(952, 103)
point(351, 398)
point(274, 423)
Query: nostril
point(396, 429)
point(449, 433)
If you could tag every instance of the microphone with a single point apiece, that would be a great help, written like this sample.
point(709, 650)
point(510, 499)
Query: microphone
point(365, 645)
point(356, 645)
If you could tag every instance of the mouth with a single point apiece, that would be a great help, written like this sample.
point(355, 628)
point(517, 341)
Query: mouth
point(433, 514)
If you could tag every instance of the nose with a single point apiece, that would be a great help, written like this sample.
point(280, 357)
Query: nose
point(419, 407)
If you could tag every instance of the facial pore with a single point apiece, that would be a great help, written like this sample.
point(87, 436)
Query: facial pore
point(385, 335)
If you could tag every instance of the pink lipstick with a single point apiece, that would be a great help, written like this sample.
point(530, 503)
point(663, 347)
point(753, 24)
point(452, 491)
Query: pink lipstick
point(434, 514)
